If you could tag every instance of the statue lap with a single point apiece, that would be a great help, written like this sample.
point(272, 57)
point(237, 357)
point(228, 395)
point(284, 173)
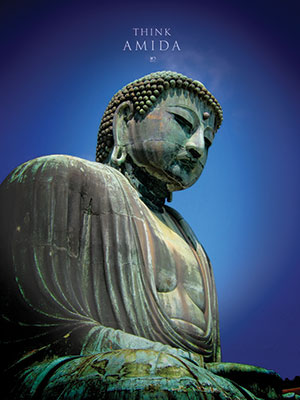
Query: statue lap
point(134, 374)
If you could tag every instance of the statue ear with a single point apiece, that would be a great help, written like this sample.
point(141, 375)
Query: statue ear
point(123, 114)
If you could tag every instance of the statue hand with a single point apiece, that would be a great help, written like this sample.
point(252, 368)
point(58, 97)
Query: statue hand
point(103, 339)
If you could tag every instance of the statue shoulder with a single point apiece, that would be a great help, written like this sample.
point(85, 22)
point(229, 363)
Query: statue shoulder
point(63, 170)
point(48, 193)
point(60, 182)
point(55, 167)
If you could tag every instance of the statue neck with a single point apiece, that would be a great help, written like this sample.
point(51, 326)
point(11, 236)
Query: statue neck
point(152, 191)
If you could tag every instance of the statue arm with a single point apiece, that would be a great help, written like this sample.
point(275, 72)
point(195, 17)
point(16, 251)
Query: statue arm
point(56, 246)
point(48, 283)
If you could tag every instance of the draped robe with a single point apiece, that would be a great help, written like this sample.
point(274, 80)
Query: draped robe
point(79, 251)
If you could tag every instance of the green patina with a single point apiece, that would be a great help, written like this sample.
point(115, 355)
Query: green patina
point(106, 292)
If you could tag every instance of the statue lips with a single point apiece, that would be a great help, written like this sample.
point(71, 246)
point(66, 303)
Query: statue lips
point(188, 161)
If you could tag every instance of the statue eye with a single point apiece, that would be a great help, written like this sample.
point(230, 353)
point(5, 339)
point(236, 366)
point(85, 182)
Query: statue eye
point(184, 123)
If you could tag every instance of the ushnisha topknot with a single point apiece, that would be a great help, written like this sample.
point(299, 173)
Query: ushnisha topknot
point(143, 93)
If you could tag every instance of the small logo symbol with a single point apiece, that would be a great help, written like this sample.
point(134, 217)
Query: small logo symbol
point(152, 59)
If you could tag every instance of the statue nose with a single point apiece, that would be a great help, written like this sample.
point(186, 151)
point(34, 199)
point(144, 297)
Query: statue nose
point(196, 145)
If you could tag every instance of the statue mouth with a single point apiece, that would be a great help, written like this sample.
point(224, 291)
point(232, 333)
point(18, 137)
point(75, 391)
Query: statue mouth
point(188, 161)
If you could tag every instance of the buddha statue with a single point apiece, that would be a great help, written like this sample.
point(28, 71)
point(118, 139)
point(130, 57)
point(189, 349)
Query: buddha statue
point(105, 290)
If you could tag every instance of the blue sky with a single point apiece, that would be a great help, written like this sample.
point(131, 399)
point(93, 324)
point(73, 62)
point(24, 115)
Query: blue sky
point(61, 62)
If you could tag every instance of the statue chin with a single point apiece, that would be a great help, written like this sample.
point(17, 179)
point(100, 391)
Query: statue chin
point(175, 177)
point(183, 179)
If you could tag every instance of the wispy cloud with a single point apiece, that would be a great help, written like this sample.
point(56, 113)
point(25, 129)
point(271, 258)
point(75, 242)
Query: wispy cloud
point(208, 67)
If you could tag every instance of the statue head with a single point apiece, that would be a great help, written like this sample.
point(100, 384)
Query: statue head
point(163, 125)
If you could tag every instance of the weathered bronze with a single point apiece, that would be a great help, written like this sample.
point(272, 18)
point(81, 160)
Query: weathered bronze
point(105, 291)
point(143, 94)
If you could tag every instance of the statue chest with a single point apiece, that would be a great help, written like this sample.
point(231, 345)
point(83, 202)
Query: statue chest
point(179, 276)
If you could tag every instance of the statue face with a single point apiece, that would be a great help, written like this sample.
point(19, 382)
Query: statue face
point(172, 141)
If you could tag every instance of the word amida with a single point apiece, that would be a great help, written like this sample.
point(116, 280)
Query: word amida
point(152, 44)
point(161, 45)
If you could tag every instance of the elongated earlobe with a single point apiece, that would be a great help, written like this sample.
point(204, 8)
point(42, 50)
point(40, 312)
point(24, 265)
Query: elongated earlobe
point(118, 155)
point(120, 132)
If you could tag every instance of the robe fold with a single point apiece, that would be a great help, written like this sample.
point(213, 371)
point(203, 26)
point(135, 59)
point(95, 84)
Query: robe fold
point(78, 253)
